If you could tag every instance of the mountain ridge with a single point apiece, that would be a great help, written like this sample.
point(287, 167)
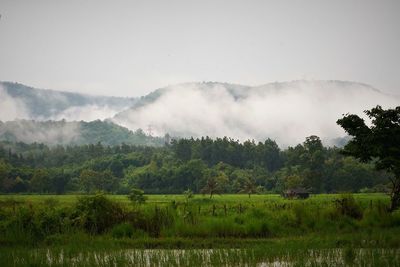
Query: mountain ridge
point(274, 110)
point(148, 98)
point(44, 104)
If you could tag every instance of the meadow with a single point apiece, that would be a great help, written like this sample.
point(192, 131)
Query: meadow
point(173, 230)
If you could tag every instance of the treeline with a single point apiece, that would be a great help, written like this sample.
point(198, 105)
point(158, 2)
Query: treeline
point(204, 165)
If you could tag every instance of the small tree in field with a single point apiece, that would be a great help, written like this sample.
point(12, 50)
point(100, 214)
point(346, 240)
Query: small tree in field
point(379, 142)
point(137, 196)
point(215, 184)
point(249, 187)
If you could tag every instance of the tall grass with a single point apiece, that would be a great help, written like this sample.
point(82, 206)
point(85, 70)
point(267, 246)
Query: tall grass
point(26, 222)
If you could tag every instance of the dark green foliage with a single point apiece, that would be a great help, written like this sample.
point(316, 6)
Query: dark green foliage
point(92, 181)
point(380, 142)
point(202, 165)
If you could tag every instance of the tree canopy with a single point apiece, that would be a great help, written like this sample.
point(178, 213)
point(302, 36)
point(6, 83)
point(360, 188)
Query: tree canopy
point(379, 142)
point(221, 165)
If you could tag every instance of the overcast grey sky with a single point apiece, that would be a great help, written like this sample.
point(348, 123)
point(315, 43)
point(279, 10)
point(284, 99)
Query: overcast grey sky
point(132, 47)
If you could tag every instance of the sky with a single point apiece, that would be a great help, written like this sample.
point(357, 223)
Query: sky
point(130, 48)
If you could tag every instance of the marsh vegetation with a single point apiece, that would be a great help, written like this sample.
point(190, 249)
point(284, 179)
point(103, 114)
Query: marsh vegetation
point(176, 230)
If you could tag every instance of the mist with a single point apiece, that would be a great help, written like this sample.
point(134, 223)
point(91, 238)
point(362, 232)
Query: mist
point(86, 113)
point(21, 102)
point(285, 112)
point(10, 108)
point(47, 132)
point(24, 124)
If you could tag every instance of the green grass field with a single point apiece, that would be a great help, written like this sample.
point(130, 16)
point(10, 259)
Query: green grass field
point(331, 229)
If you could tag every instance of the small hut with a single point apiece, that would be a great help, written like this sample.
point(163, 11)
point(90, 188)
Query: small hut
point(300, 193)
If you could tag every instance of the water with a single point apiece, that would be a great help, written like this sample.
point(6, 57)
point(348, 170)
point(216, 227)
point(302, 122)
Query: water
point(206, 257)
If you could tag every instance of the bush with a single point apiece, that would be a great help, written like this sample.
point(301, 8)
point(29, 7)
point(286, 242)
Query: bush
point(97, 213)
point(137, 196)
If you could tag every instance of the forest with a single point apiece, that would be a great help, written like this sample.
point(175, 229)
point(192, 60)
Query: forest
point(203, 165)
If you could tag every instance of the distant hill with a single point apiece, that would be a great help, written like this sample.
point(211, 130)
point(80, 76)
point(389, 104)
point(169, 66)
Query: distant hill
point(73, 133)
point(24, 102)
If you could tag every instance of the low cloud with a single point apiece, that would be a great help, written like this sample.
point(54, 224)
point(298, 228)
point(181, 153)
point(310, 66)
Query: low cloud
point(286, 112)
point(47, 132)
point(86, 113)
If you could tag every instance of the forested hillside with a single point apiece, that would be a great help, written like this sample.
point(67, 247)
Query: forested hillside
point(74, 133)
point(203, 165)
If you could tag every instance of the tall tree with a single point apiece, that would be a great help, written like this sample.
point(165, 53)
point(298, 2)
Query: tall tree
point(272, 156)
point(379, 142)
point(41, 181)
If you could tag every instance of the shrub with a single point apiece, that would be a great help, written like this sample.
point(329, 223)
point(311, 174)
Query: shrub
point(137, 196)
point(97, 213)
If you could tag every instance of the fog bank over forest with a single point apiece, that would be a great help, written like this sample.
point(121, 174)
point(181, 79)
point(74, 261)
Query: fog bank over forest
point(286, 112)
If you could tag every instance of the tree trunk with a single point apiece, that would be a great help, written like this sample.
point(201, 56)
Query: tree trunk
point(395, 195)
